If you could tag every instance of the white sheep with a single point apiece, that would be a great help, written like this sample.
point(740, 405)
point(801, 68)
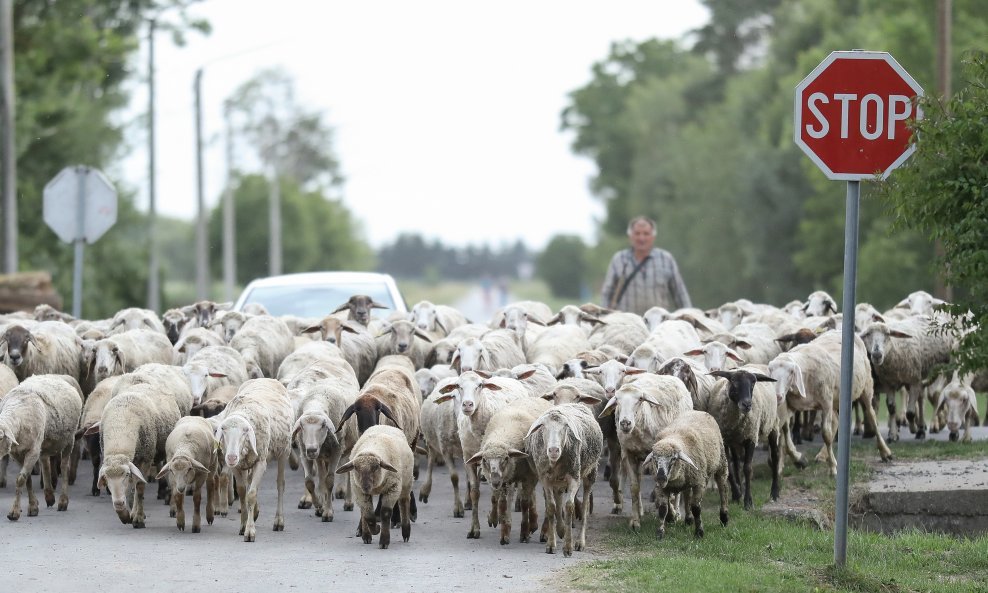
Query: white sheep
point(428, 378)
point(756, 341)
point(959, 402)
point(305, 355)
point(38, 419)
point(123, 352)
point(382, 465)
point(564, 445)
point(623, 333)
point(192, 341)
point(174, 321)
point(359, 307)
point(256, 427)
point(642, 408)
point(48, 347)
point(92, 412)
point(133, 430)
point(819, 304)
point(503, 460)
point(192, 463)
point(212, 368)
point(264, 342)
point(670, 338)
point(557, 344)
point(436, 320)
point(494, 350)
point(443, 349)
point(353, 339)
point(404, 338)
point(133, 318)
point(441, 441)
point(686, 456)
point(920, 302)
point(167, 380)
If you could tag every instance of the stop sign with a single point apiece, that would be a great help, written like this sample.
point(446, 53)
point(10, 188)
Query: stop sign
point(851, 114)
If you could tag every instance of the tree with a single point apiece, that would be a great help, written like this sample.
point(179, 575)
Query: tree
point(563, 266)
point(943, 192)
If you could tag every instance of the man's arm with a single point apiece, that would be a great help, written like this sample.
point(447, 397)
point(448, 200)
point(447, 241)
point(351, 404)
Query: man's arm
point(677, 287)
point(610, 281)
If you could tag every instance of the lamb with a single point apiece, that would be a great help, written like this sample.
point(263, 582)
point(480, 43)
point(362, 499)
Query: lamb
point(133, 430)
point(133, 318)
point(478, 398)
point(556, 345)
point(495, 349)
point(960, 403)
point(639, 425)
point(903, 354)
point(504, 462)
point(354, 341)
point(194, 340)
point(399, 336)
point(808, 378)
point(192, 464)
point(746, 413)
point(441, 439)
point(213, 367)
point(686, 456)
point(38, 419)
point(382, 466)
point(436, 320)
point(48, 347)
point(264, 342)
point(123, 352)
point(92, 412)
point(564, 445)
point(256, 427)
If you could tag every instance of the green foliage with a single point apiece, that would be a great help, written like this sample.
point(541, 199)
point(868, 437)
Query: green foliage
point(563, 266)
point(943, 193)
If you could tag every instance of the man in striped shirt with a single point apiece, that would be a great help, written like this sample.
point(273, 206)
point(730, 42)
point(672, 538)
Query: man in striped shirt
point(643, 276)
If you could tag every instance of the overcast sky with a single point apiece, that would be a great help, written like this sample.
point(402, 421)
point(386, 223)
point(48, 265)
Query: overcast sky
point(446, 112)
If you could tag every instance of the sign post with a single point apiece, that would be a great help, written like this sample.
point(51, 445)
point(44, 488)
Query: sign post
point(851, 116)
point(80, 205)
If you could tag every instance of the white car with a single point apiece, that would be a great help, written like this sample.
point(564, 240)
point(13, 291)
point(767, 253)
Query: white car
point(317, 294)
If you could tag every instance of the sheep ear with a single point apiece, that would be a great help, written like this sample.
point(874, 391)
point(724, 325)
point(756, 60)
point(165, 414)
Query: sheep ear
point(591, 370)
point(136, 473)
point(761, 377)
point(535, 428)
point(198, 466)
point(535, 321)
point(423, 335)
point(217, 375)
point(722, 374)
point(648, 398)
point(525, 375)
point(485, 374)
point(390, 415)
point(311, 329)
point(164, 471)
point(633, 371)
point(491, 386)
point(385, 464)
point(940, 403)
point(443, 398)
point(589, 400)
point(684, 457)
point(647, 459)
point(609, 408)
point(742, 344)
point(549, 396)
point(516, 453)
point(441, 327)
point(694, 352)
point(734, 356)
point(477, 458)
point(345, 467)
point(101, 477)
point(898, 334)
point(252, 438)
point(218, 434)
point(800, 384)
point(297, 427)
point(377, 305)
point(9, 437)
point(557, 318)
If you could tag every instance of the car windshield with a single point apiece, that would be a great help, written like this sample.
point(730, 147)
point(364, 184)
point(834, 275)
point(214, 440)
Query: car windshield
point(315, 300)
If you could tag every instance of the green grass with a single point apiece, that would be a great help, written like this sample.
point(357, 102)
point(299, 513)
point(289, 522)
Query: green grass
point(757, 553)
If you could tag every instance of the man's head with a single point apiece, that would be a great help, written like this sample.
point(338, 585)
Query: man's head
point(641, 233)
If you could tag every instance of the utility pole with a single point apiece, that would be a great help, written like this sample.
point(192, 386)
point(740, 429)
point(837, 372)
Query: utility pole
point(274, 212)
point(229, 237)
point(154, 298)
point(8, 166)
point(202, 263)
point(942, 290)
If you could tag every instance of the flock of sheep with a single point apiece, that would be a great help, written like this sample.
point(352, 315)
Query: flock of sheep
point(207, 397)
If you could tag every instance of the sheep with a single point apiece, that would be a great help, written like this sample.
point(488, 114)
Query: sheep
point(495, 349)
point(920, 302)
point(256, 427)
point(819, 304)
point(808, 377)
point(92, 412)
point(56, 349)
point(133, 430)
point(8, 380)
point(358, 308)
point(564, 445)
point(639, 425)
point(264, 342)
point(167, 380)
point(478, 398)
point(194, 340)
point(903, 354)
point(392, 391)
point(960, 403)
point(573, 315)
point(353, 339)
point(747, 415)
point(399, 337)
point(535, 377)
point(174, 322)
point(443, 349)
point(695, 376)
point(38, 419)
point(532, 310)
point(202, 313)
point(382, 466)
point(428, 378)
point(757, 340)
point(213, 367)
point(216, 402)
point(622, 333)
point(685, 457)
point(192, 463)
point(133, 318)
point(229, 323)
point(670, 338)
point(575, 366)
point(305, 355)
point(123, 352)
point(503, 460)
point(716, 355)
point(441, 440)
point(45, 312)
point(556, 345)
point(437, 320)
point(320, 411)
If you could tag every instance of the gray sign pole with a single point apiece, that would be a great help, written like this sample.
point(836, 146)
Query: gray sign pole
point(846, 369)
point(80, 241)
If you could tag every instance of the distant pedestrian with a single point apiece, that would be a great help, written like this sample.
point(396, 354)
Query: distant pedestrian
point(502, 290)
point(643, 276)
point(486, 283)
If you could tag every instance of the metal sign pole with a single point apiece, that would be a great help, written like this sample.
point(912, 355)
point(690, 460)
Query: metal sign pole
point(80, 241)
point(846, 370)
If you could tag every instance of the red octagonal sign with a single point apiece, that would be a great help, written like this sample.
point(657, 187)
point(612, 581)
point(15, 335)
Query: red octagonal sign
point(852, 113)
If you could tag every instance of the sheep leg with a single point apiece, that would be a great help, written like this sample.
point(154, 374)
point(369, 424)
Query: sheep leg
point(368, 527)
point(588, 481)
point(197, 505)
point(749, 454)
point(454, 479)
point(785, 439)
point(474, 481)
point(386, 509)
point(23, 479)
point(496, 495)
point(721, 477)
point(856, 408)
point(696, 498)
point(279, 515)
point(347, 492)
point(550, 517)
point(893, 425)
point(327, 479)
point(250, 531)
point(632, 465)
point(828, 441)
point(46, 478)
point(775, 461)
point(871, 426)
point(309, 496)
point(211, 495)
point(796, 432)
point(917, 407)
point(546, 523)
point(74, 453)
point(137, 510)
point(614, 459)
point(503, 514)
point(5, 460)
point(661, 510)
point(426, 487)
point(526, 493)
point(240, 476)
point(178, 503)
point(569, 512)
point(222, 493)
point(733, 472)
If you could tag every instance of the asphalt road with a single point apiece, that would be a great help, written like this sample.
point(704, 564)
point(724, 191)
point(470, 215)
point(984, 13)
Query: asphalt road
point(87, 548)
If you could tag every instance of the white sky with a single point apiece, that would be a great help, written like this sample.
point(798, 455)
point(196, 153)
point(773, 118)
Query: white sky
point(446, 112)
